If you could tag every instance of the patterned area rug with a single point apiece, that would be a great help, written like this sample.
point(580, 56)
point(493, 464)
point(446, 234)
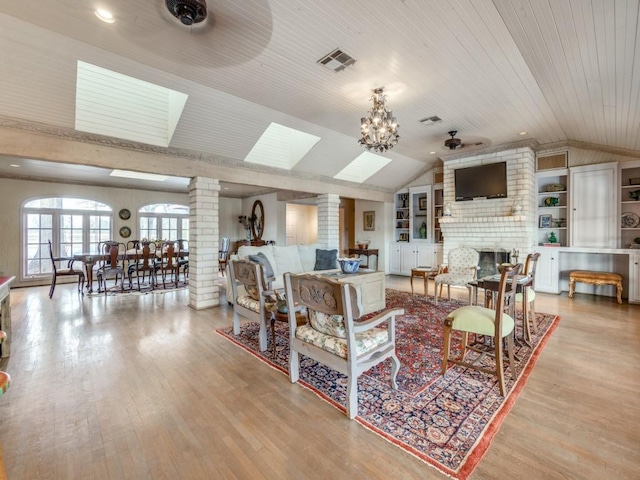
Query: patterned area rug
point(448, 422)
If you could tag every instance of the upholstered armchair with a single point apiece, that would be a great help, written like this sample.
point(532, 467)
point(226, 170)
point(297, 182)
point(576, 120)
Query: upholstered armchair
point(461, 268)
point(332, 336)
point(254, 302)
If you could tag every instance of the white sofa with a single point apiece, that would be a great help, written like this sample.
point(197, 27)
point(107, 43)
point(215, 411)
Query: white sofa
point(292, 258)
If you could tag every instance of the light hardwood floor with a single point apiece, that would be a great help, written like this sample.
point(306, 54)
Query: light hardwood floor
point(142, 387)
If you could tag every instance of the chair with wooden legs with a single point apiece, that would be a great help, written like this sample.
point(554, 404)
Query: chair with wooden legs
point(528, 297)
point(168, 266)
point(461, 268)
point(64, 272)
point(113, 266)
point(143, 264)
point(485, 321)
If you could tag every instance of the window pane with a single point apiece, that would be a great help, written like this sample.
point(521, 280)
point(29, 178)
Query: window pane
point(65, 221)
point(33, 220)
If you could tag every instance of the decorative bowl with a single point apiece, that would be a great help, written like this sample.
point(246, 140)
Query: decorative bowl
point(349, 265)
point(362, 244)
point(502, 266)
point(556, 187)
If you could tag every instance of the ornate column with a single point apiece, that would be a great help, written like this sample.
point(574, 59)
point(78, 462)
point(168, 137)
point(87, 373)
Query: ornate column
point(204, 291)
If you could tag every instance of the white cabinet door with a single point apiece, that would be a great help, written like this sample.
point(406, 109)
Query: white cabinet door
point(425, 256)
point(594, 206)
point(548, 270)
point(634, 277)
point(408, 258)
point(395, 259)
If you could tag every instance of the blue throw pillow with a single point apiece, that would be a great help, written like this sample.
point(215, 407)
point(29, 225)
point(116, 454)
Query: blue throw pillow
point(326, 259)
point(262, 259)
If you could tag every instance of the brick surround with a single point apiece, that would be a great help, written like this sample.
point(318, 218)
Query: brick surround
point(487, 224)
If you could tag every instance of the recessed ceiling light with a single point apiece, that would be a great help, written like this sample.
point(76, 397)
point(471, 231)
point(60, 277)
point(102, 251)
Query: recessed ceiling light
point(14, 165)
point(432, 153)
point(522, 133)
point(138, 175)
point(105, 15)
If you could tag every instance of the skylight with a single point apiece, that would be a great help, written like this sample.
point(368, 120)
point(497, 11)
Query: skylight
point(109, 103)
point(363, 167)
point(281, 147)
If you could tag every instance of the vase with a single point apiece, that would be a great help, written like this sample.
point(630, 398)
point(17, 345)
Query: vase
point(423, 230)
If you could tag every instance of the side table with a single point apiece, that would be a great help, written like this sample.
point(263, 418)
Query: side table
point(425, 273)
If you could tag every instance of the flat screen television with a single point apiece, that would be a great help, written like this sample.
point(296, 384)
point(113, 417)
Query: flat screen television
point(484, 181)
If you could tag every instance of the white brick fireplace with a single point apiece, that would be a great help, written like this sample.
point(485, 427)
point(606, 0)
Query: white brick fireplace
point(489, 224)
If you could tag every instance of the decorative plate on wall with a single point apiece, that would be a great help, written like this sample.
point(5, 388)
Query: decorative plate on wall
point(125, 232)
point(630, 220)
point(124, 214)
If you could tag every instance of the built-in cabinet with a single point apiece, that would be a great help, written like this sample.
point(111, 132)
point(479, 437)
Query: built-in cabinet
point(405, 256)
point(630, 205)
point(634, 277)
point(548, 270)
point(438, 212)
point(593, 216)
point(553, 206)
point(401, 230)
point(420, 214)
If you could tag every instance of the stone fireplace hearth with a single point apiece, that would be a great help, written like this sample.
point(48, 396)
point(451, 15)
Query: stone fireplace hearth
point(489, 224)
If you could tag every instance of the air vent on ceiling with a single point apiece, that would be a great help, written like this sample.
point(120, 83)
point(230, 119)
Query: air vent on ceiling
point(337, 60)
point(430, 120)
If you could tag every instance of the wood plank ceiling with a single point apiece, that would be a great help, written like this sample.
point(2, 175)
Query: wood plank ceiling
point(566, 70)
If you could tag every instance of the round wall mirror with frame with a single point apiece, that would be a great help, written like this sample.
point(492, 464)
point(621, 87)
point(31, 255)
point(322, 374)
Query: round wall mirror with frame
point(257, 226)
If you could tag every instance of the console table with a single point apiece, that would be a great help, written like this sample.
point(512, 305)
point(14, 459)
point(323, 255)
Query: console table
point(5, 313)
point(366, 252)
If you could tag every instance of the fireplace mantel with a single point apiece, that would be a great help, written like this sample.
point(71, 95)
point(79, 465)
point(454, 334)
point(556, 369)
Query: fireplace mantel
point(503, 219)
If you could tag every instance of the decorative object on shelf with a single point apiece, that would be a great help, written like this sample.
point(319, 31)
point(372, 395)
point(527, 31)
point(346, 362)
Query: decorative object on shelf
point(551, 201)
point(545, 221)
point(349, 265)
point(380, 129)
point(125, 232)
point(630, 220)
point(404, 237)
point(634, 181)
point(124, 214)
point(363, 244)
point(422, 203)
point(556, 187)
point(552, 238)
point(257, 215)
point(404, 198)
point(369, 221)
point(518, 206)
point(560, 222)
point(635, 195)
point(446, 209)
point(246, 223)
point(423, 230)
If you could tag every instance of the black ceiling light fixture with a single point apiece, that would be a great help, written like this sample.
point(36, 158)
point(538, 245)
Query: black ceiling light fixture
point(453, 143)
point(189, 12)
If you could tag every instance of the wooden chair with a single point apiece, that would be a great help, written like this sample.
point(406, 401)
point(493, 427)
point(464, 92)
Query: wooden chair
point(332, 336)
point(223, 254)
point(528, 298)
point(144, 263)
point(485, 321)
point(168, 266)
point(183, 261)
point(462, 268)
point(113, 266)
point(64, 272)
point(5, 378)
point(254, 301)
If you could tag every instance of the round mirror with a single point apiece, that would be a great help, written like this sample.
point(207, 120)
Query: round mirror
point(257, 215)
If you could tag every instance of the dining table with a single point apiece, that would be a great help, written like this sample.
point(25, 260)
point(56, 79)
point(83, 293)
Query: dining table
point(91, 258)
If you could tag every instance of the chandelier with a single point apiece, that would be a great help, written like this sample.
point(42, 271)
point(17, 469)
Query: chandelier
point(380, 129)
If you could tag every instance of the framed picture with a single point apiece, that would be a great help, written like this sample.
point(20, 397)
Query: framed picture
point(545, 221)
point(422, 203)
point(369, 220)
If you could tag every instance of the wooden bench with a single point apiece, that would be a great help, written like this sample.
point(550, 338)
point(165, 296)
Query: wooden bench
point(595, 278)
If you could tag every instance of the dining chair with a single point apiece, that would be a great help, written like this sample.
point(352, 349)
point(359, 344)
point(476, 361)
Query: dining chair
point(528, 297)
point(332, 336)
point(183, 260)
point(489, 322)
point(63, 272)
point(112, 266)
point(223, 254)
point(461, 268)
point(168, 265)
point(144, 264)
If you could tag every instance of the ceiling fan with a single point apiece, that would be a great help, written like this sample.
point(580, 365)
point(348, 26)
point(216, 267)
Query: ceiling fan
point(454, 143)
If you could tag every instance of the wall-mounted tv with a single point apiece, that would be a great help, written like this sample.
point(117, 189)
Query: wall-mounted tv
point(484, 181)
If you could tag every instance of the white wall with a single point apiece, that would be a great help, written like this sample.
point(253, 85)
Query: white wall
point(301, 224)
point(381, 235)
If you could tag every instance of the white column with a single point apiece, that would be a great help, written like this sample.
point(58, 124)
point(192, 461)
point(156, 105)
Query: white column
point(329, 220)
point(204, 291)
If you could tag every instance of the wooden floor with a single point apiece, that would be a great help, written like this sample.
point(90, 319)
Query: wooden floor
point(142, 387)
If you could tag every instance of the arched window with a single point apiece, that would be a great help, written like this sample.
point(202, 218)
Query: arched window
point(74, 225)
point(164, 221)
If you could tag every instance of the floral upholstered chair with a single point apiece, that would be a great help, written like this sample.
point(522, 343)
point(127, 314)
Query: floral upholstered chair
point(462, 267)
point(331, 335)
point(254, 300)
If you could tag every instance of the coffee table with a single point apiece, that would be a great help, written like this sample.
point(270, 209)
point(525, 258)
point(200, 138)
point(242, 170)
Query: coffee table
point(371, 284)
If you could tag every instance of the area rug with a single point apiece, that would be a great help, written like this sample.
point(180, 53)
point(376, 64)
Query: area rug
point(446, 421)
